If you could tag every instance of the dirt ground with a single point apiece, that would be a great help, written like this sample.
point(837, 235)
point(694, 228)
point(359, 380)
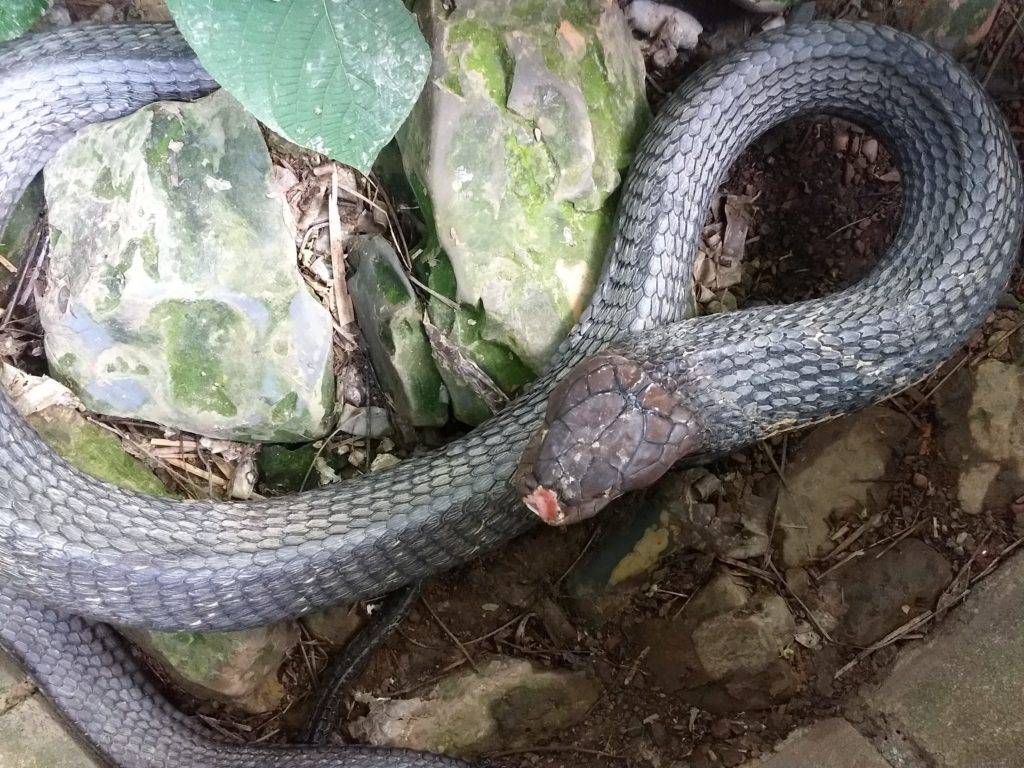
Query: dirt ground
point(824, 207)
point(823, 214)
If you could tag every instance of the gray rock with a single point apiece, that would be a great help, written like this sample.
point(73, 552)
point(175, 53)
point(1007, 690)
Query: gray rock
point(837, 472)
point(883, 593)
point(510, 703)
point(173, 294)
point(744, 643)
point(515, 148)
point(981, 410)
point(724, 653)
point(237, 667)
point(830, 743)
point(390, 318)
point(957, 696)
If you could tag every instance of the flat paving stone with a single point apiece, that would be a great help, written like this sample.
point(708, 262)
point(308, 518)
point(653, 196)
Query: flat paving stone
point(958, 697)
point(830, 743)
point(29, 735)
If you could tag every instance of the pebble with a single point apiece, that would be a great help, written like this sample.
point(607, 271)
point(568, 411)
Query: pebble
point(105, 13)
point(870, 150)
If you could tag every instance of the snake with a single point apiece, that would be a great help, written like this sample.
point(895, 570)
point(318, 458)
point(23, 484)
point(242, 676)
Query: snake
point(635, 387)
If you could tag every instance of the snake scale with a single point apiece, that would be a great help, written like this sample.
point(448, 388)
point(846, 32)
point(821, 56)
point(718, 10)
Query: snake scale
point(76, 554)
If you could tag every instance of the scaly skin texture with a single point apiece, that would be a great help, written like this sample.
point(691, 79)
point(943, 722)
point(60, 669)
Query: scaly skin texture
point(83, 547)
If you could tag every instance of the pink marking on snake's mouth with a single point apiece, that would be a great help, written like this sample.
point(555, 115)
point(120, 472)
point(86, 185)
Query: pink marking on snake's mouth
point(543, 502)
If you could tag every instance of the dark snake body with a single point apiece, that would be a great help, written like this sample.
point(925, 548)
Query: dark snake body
point(84, 548)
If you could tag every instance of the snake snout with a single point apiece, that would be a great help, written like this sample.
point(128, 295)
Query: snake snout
point(609, 429)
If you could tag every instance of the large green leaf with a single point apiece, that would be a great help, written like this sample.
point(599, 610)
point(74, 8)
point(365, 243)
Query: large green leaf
point(18, 16)
point(336, 76)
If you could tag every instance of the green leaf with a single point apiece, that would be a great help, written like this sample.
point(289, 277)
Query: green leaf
point(336, 76)
point(18, 16)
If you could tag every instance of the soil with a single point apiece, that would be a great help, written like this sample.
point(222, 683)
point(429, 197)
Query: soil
point(823, 211)
point(823, 215)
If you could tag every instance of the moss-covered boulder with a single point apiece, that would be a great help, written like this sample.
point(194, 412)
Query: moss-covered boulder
point(516, 149)
point(237, 667)
point(173, 293)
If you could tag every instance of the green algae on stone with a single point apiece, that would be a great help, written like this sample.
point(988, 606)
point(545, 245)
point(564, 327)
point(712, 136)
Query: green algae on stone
point(516, 149)
point(389, 316)
point(15, 235)
point(240, 667)
point(286, 469)
point(173, 293)
point(94, 450)
point(463, 326)
point(198, 337)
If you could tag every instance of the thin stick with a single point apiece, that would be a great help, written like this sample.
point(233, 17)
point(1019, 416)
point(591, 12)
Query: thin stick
point(556, 748)
point(451, 635)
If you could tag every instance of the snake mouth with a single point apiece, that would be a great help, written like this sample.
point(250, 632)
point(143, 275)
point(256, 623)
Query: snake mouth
point(545, 504)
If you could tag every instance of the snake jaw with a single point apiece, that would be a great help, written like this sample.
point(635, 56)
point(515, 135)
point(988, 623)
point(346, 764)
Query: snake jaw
point(543, 502)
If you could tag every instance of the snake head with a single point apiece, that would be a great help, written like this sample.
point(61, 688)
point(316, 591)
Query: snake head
point(609, 429)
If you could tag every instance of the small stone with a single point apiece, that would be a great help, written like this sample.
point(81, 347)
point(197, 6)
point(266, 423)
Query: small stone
point(883, 593)
point(510, 703)
point(556, 621)
point(837, 472)
point(870, 150)
point(841, 141)
point(106, 13)
point(672, 26)
point(920, 481)
point(723, 653)
point(744, 644)
point(56, 16)
point(364, 421)
point(981, 413)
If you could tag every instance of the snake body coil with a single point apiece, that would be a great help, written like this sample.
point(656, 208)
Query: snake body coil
point(73, 547)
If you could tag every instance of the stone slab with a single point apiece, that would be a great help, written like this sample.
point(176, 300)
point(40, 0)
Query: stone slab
point(958, 696)
point(29, 735)
point(830, 743)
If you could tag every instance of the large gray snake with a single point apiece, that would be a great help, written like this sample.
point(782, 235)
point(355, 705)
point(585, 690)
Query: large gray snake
point(75, 552)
